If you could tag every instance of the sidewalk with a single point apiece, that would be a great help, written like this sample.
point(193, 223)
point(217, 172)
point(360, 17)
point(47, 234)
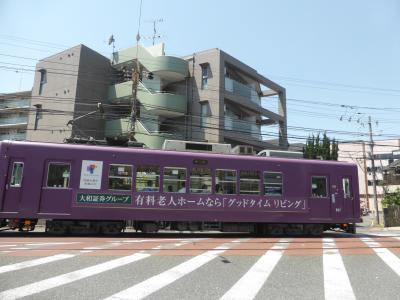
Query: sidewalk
point(369, 224)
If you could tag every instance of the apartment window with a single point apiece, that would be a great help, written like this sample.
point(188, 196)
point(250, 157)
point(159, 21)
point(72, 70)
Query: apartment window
point(225, 182)
point(147, 178)
point(204, 113)
point(249, 182)
point(58, 175)
point(120, 177)
point(43, 80)
point(319, 187)
point(174, 180)
point(204, 75)
point(16, 176)
point(200, 180)
point(273, 183)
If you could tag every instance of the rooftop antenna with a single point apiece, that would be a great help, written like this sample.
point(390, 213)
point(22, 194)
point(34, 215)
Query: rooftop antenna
point(111, 40)
point(155, 35)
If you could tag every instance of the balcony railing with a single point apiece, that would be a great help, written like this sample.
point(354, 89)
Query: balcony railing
point(14, 103)
point(238, 88)
point(13, 120)
point(13, 136)
point(243, 127)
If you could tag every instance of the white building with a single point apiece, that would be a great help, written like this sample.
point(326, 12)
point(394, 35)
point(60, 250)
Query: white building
point(385, 152)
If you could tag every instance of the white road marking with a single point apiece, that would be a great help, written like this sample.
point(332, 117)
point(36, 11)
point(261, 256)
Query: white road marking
point(34, 262)
point(94, 248)
point(385, 254)
point(336, 280)
point(52, 243)
point(56, 281)
point(86, 251)
point(3, 246)
point(153, 284)
point(250, 283)
point(186, 240)
point(20, 248)
point(67, 278)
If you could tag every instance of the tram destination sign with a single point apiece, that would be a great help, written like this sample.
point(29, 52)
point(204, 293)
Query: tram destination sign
point(103, 198)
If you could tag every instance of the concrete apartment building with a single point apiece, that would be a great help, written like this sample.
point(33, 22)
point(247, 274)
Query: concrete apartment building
point(14, 111)
point(386, 153)
point(207, 96)
point(68, 85)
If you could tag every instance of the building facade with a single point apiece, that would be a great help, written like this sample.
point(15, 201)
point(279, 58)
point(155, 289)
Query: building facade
point(14, 112)
point(67, 86)
point(385, 153)
point(208, 96)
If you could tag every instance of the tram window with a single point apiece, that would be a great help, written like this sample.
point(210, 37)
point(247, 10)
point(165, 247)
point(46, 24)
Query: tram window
point(347, 188)
point(58, 175)
point(120, 177)
point(318, 187)
point(16, 176)
point(225, 182)
point(200, 181)
point(249, 182)
point(174, 180)
point(148, 178)
point(273, 183)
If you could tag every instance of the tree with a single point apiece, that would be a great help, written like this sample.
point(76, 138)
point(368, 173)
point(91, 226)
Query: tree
point(335, 150)
point(325, 149)
point(317, 147)
point(392, 198)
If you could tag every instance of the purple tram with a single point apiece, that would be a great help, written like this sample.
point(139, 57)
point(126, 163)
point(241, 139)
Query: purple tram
point(80, 188)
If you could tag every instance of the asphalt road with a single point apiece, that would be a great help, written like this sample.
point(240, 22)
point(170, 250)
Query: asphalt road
point(201, 266)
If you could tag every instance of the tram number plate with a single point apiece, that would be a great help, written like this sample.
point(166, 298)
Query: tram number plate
point(103, 198)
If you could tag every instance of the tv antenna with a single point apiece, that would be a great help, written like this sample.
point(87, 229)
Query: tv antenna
point(155, 35)
point(111, 40)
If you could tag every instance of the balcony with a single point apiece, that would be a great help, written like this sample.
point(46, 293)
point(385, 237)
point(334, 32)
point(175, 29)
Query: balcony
point(121, 92)
point(243, 127)
point(162, 104)
point(118, 128)
point(14, 122)
point(8, 106)
point(242, 90)
point(157, 103)
point(13, 136)
point(169, 68)
point(121, 128)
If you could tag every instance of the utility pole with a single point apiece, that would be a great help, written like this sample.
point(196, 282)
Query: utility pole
point(365, 175)
point(135, 81)
point(135, 84)
point(371, 154)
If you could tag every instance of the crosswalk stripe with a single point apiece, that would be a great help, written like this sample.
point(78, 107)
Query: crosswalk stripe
point(153, 284)
point(34, 262)
point(387, 256)
point(335, 274)
point(70, 277)
point(56, 281)
point(250, 283)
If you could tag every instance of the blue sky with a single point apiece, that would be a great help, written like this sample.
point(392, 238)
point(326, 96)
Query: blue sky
point(338, 52)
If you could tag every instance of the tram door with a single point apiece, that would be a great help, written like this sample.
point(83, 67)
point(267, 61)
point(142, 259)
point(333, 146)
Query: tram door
point(348, 196)
point(14, 184)
point(337, 198)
